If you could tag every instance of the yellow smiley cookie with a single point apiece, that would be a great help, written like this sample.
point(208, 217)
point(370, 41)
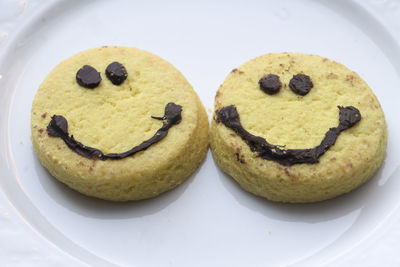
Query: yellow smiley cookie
point(297, 128)
point(118, 123)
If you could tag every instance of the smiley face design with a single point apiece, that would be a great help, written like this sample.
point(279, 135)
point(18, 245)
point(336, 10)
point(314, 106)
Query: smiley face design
point(301, 84)
point(297, 128)
point(119, 124)
point(88, 77)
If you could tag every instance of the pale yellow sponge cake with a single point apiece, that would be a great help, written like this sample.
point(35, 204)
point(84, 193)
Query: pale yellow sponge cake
point(118, 123)
point(297, 128)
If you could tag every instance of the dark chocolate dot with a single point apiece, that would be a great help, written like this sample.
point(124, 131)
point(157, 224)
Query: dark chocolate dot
point(270, 84)
point(301, 84)
point(88, 77)
point(116, 73)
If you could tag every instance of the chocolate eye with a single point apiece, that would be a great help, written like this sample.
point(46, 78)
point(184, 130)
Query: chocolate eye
point(88, 77)
point(301, 84)
point(116, 73)
point(270, 84)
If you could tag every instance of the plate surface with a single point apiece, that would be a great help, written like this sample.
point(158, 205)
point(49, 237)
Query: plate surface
point(208, 220)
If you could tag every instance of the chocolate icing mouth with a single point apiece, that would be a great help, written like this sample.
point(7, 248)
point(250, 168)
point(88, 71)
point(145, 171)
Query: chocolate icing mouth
point(348, 117)
point(58, 127)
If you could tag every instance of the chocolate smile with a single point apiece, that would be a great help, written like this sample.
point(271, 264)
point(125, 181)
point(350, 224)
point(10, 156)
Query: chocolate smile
point(58, 127)
point(88, 77)
point(348, 117)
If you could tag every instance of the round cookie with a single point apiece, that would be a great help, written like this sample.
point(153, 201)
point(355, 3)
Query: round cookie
point(118, 123)
point(297, 128)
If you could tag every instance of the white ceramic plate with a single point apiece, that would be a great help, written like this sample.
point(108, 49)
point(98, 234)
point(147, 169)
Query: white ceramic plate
point(208, 220)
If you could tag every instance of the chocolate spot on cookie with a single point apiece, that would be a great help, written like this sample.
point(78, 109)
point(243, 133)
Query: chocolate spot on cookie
point(350, 79)
point(301, 84)
point(237, 156)
point(350, 165)
point(44, 115)
point(116, 73)
point(238, 71)
point(240, 158)
point(332, 76)
point(88, 77)
point(270, 84)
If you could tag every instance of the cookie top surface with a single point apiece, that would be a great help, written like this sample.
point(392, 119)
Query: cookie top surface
point(300, 120)
point(116, 115)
